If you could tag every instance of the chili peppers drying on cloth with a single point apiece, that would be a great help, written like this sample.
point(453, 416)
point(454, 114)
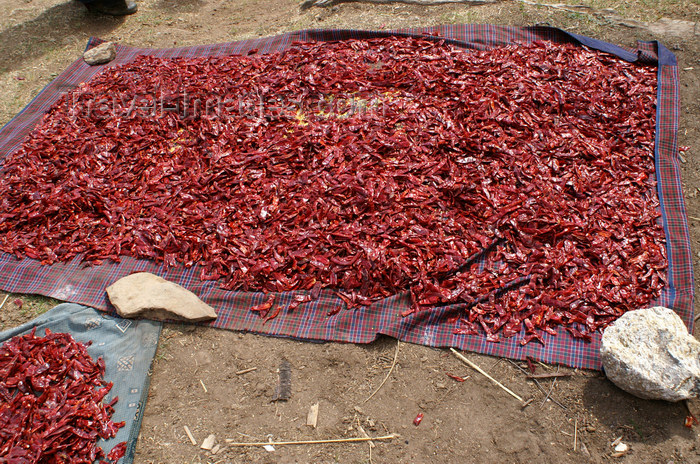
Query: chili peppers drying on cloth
point(517, 182)
point(51, 408)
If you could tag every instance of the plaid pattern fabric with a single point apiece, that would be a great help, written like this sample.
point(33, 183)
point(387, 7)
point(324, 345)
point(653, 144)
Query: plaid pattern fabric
point(74, 282)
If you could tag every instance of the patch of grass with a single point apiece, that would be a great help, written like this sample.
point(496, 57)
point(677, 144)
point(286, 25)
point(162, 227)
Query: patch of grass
point(35, 305)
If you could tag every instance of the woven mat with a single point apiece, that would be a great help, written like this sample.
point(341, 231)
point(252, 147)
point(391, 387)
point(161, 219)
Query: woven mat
point(76, 283)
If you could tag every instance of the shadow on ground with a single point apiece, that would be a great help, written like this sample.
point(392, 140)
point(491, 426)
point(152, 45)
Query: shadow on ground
point(51, 29)
point(635, 419)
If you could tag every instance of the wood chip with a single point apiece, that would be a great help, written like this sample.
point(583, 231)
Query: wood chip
point(312, 417)
point(189, 435)
point(215, 449)
point(209, 442)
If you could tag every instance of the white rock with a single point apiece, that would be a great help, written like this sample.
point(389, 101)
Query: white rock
point(621, 448)
point(650, 354)
point(151, 297)
point(101, 54)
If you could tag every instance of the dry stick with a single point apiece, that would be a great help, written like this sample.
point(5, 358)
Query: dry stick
point(314, 442)
point(696, 317)
point(482, 372)
point(548, 375)
point(4, 301)
point(693, 218)
point(245, 371)
point(575, 433)
point(539, 385)
point(189, 435)
point(549, 392)
point(396, 355)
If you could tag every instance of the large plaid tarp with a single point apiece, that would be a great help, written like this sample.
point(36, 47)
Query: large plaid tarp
point(127, 348)
point(75, 282)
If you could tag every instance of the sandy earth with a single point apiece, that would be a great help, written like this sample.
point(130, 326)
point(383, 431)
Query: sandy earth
point(194, 379)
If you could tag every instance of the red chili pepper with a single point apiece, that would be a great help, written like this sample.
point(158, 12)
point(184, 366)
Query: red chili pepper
point(455, 377)
point(530, 364)
point(51, 394)
point(418, 419)
point(517, 182)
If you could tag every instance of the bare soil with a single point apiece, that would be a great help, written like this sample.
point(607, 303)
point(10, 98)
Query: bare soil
point(194, 379)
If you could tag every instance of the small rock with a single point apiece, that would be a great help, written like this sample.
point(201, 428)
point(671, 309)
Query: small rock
point(149, 296)
point(650, 354)
point(215, 449)
point(622, 448)
point(209, 442)
point(103, 53)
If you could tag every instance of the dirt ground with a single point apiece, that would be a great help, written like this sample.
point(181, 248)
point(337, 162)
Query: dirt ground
point(195, 381)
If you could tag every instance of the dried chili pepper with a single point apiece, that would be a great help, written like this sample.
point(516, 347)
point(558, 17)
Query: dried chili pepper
point(366, 167)
point(455, 377)
point(51, 407)
point(418, 419)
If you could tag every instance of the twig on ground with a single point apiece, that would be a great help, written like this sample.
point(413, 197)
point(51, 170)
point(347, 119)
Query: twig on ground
point(549, 375)
point(189, 435)
point(364, 433)
point(2, 305)
point(482, 372)
point(313, 442)
point(575, 434)
point(539, 385)
point(551, 387)
point(393, 364)
point(245, 371)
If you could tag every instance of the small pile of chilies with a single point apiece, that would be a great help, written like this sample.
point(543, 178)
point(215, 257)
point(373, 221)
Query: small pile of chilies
point(51, 408)
point(516, 183)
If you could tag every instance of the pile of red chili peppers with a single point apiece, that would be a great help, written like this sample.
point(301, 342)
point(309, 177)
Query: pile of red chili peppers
point(368, 167)
point(51, 408)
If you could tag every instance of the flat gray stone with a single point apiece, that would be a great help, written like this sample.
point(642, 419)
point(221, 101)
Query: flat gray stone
point(650, 354)
point(103, 53)
point(148, 296)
